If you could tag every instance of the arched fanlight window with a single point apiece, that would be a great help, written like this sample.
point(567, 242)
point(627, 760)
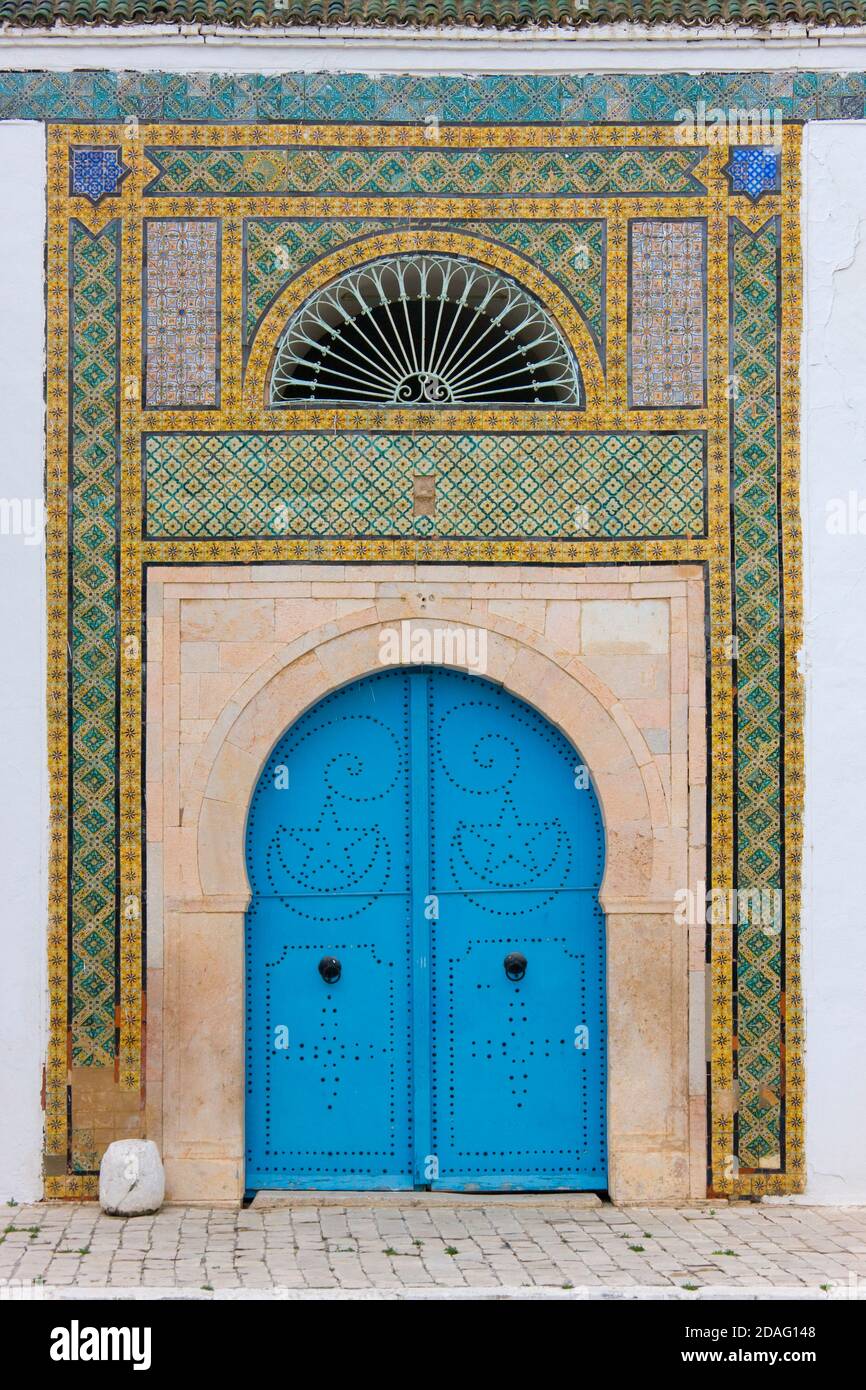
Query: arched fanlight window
point(424, 329)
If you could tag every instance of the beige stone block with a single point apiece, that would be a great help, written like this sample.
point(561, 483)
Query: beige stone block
point(153, 811)
point(591, 683)
point(227, 620)
point(679, 718)
point(629, 860)
point(634, 676)
point(697, 746)
point(209, 589)
point(526, 612)
point(170, 710)
point(648, 589)
point(256, 588)
point(199, 656)
point(180, 858)
point(697, 682)
point(562, 624)
point(697, 950)
point(244, 657)
point(697, 1147)
point(642, 1176)
point(297, 573)
point(502, 589)
point(203, 1067)
point(501, 656)
point(233, 776)
point(647, 958)
point(679, 618)
point(346, 606)
point(631, 734)
point(153, 1113)
point(697, 816)
point(650, 713)
point(155, 893)
point(219, 847)
point(154, 1049)
point(624, 627)
point(171, 651)
point(199, 1182)
point(195, 730)
point(155, 616)
point(670, 861)
point(346, 657)
point(563, 593)
point(189, 691)
point(697, 635)
point(269, 712)
point(679, 789)
point(153, 748)
point(679, 666)
point(658, 805)
point(343, 589)
point(215, 691)
point(295, 616)
point(697, 1033)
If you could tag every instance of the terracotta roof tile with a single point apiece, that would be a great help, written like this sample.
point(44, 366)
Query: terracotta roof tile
point(494, 14)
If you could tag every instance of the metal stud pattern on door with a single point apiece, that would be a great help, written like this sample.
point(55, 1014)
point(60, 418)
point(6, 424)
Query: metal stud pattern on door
point(425, 947)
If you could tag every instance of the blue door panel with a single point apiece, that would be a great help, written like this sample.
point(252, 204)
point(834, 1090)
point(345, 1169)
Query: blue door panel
point(517, 858)
point(418, 827)
point(328, 1100)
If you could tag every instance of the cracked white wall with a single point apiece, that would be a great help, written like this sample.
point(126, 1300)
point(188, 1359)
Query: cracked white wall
point(834, 468)
point(23, 778)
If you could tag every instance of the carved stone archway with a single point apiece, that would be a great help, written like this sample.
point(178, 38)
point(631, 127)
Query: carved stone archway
point(205, 895)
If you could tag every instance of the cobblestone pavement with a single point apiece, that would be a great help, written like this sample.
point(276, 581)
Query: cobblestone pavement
point(483, 1247)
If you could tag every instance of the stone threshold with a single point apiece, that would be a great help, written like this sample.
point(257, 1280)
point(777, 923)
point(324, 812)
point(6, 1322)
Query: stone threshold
point(273, 1201)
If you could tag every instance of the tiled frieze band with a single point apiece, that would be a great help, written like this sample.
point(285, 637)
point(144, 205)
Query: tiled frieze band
point(431, 171)
point(309, 483)
point(297, 96)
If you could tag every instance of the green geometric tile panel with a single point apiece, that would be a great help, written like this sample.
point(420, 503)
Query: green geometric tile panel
point(502, 485)
point(758, 847)
point(93, 614)
point(435, 172)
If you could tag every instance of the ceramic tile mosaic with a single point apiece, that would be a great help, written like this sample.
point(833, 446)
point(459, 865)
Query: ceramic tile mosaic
point(181, 295)
point(667, 312)
point(712, 481)
point(357, 97)
point(499, 485)
point(419, 173)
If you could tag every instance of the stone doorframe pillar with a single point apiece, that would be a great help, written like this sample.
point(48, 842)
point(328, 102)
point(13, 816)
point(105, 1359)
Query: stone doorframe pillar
point(198, 890)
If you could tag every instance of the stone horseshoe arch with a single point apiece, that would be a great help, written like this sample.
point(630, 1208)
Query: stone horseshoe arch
point(647, 954)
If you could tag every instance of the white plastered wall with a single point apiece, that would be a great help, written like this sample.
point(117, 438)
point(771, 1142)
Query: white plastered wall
point(834, 463)
point(23, 778)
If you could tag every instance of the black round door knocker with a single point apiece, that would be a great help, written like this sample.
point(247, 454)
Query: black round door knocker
point(515, 965)
point(330, 969)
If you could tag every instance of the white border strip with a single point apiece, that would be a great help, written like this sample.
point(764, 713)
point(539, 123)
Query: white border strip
point(595, 49)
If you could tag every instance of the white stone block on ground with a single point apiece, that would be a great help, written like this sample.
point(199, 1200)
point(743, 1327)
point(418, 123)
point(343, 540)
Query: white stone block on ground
point(131, 1178)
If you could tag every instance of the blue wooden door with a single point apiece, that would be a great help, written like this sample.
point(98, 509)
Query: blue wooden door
point(425, 948)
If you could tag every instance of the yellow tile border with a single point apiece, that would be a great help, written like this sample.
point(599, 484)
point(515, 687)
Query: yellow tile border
point(608, 410)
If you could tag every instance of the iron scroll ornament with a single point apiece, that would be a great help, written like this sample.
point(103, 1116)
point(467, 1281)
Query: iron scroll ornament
point(424, 330)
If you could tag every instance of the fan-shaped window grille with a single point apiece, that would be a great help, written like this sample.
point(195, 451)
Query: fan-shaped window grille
point(424, 330)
